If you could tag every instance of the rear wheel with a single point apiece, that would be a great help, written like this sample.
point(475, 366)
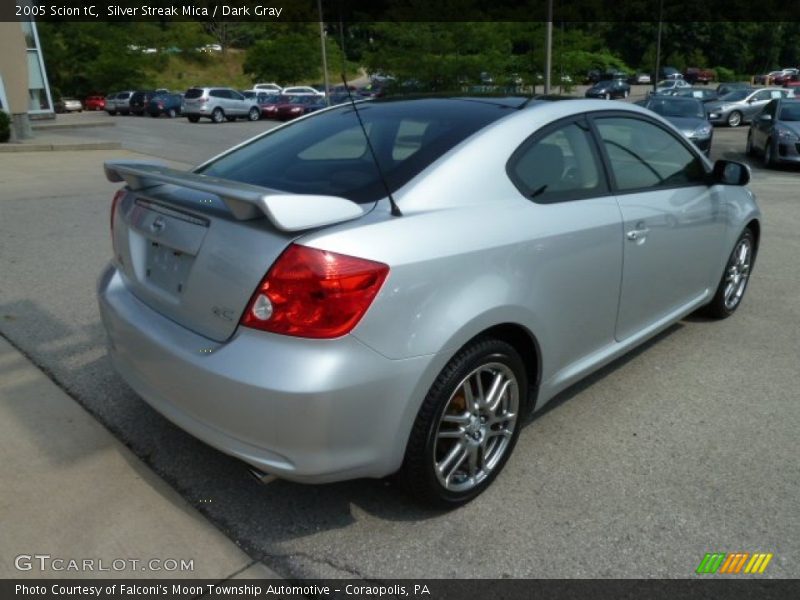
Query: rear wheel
point(748, 148)
point(734, 280)
point(467, 425)
point(217, 116)
point(735, 119)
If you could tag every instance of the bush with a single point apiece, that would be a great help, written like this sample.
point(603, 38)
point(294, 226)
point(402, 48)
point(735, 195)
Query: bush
point(5, 127)
point(724, 75)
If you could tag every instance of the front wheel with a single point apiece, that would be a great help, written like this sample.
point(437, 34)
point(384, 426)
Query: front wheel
point(607, 96)
point(735, 278)
point(467, 425)
point(769, 155)
point(254, 114)
point(625, 94)
point(735, 119)
point(171, 113)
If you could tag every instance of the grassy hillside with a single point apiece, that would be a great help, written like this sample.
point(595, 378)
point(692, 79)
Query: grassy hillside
point(178, 73)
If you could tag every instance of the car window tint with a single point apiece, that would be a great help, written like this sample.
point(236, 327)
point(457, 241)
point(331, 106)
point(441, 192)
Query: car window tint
point(558, 166)
point(778, 94)
point(194, 93)
point(761, 96)
point(642, 155)
point(328, 154)
point(218, 94)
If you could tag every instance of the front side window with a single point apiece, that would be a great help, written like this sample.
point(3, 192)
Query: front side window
point(643, 155)
point(559, 166)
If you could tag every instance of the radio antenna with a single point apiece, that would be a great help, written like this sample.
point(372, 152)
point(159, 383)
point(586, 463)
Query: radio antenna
point(395, 209)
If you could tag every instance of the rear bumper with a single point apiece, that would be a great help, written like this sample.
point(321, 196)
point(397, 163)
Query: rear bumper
point(313, 411)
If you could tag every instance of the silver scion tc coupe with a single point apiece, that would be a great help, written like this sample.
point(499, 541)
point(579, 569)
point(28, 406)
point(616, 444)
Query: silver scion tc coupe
point(322, 319)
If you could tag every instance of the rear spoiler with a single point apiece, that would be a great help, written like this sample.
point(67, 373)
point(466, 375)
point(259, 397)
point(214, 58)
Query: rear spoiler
point(287, 212)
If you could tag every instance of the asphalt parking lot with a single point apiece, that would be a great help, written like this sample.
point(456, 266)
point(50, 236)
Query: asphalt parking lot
point(686, 446)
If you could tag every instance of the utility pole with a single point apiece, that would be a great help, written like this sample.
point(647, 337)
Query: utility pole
point(548, 56)
point(324, 54)
point(658, 44)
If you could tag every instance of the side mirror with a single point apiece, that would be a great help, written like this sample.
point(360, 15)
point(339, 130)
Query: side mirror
point(730, 172)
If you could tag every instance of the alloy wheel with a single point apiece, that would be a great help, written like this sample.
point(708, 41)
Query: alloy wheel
point(735, 119)
point(738, 273)
point(476, 427)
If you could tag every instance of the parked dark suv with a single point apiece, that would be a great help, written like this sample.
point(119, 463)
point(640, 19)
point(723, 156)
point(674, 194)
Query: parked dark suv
point(165, 104)
point(139, 101)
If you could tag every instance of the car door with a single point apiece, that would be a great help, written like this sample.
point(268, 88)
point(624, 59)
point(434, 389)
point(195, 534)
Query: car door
point(756, 103)
point(761, 127)
point(574, 253)
point(672, 226)
point(238, 104)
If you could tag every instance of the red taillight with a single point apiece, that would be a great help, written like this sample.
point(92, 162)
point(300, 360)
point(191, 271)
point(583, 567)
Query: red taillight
point(313, 293)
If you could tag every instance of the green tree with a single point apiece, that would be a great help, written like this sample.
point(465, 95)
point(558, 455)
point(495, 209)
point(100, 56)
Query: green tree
point(288, 58)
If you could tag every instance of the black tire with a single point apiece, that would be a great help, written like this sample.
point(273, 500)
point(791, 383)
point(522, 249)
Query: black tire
point(769, 155)
point(254, 114)
point(112, 113)
point(748, 149)
point(218, 116)
point(720, 306)
point(734, 119)
point(193, 118)
point(418, 474)
point(155, 115)
point(230, 119)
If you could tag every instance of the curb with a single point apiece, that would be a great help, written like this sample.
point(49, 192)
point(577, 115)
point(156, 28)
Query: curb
point(49, 126)
point(60, 147)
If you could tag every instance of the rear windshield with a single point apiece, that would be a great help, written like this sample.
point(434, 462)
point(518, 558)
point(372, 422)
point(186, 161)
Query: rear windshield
point(677, 107)
point(327, 154)
point(193, 93)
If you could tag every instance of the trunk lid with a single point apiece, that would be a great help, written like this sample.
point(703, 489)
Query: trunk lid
point(195, 256)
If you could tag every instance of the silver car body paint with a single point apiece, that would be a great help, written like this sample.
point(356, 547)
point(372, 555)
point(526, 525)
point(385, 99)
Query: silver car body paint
point(469, 253)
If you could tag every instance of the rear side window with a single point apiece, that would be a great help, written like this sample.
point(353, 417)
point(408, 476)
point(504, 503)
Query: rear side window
point(561, 165)
point(328, 154)
point(193, 93)
point(643, 155)
point(218, 94)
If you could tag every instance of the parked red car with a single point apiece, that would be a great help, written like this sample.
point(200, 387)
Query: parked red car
point(299, 106)
point(694, 75)
point(95, 103)
point(270, 111)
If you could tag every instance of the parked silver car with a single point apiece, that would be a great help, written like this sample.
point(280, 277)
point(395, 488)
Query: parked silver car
point(119, 103)
point(219, 104)
point(740, 106)
point(294, 306)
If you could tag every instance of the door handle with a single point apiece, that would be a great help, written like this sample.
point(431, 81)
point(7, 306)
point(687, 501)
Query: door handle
point(637, 234)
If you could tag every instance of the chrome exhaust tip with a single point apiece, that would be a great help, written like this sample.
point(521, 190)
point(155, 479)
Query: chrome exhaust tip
point(261, 477)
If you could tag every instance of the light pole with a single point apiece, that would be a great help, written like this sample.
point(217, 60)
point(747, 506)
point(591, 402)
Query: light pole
point(548, 52)
point(658, 44)
point(324, 54)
